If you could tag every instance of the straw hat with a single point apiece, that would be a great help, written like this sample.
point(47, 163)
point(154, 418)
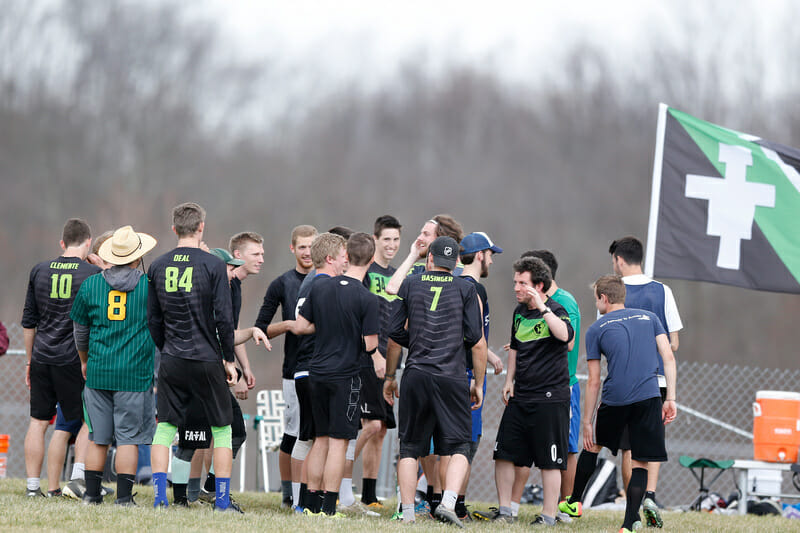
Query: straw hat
point(125, 246)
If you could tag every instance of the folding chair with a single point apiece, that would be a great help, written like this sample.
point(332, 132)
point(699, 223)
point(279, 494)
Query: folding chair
point(701, 464)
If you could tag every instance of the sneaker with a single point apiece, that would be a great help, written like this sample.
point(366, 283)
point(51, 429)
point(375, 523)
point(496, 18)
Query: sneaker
point(128, 501)
point(105, 491)
point(297, 509)
point(286, 503)
point(54, 493)
point(637, 525)
point(335, 516)
point(207, 497)
point(233, 503)
point(34, 493)
point(463, 513)
point(563, 517)
point(92, 500)
point(398, 515)
point(230, 509)
point(447, 515)
point(574, 510)
point(75, 489)
point(422, 507)
point(486, 515)
point(309, 512)
point(624, 530)
point(651, 514)
point(377, 506)
point(163, 504)
point(357, 508)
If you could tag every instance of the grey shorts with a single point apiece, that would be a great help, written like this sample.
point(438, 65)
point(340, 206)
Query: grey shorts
point(128, 417)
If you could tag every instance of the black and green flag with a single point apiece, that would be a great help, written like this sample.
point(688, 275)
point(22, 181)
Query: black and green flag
point(725, 207)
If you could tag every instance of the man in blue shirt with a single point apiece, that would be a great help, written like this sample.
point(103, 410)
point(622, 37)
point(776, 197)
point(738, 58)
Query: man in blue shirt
point(631, 340)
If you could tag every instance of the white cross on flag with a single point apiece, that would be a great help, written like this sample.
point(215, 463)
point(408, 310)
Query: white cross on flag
point(725, 207)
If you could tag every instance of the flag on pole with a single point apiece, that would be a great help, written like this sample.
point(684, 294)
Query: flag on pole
point(725, 207)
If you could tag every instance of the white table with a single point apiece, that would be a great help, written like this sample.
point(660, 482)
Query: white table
point(744, 466)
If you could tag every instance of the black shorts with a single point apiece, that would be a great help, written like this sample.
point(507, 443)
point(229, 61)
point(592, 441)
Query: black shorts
point(534, 433)
point(336, 411)
point(373, 405)
point(302, 387)
point(51, 384)
point(434, 407)
point(645, 426)
point(625, 439)
point(201, 385)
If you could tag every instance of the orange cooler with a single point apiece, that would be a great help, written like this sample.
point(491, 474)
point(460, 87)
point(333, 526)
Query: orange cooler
point(776, 426)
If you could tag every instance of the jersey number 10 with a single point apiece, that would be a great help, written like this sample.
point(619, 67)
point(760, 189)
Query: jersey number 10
point(61, 286)
point(175, 280)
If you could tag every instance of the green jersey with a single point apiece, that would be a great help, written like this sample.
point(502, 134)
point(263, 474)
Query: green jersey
point(568, 302)
point(121, 350)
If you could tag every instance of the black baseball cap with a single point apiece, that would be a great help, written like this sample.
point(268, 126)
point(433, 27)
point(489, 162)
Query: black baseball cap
point(445, 252)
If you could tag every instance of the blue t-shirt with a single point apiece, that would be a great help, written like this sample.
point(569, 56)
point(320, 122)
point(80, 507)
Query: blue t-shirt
point(627, 337)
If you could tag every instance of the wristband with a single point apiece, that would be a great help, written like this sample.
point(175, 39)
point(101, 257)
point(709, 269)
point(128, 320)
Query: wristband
point(388, 376)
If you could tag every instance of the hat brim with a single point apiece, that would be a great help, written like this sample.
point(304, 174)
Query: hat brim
point(105, 253)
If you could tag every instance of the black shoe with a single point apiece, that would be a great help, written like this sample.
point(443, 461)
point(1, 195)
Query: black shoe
point(34, 493)
point(462, 512)
point(127, 501)
point(235, 505)
point(232, 508)
point(92, 500)
point(54, 493)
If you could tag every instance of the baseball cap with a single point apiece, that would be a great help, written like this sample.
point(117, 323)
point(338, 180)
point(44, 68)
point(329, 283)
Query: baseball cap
point(477, 242)
point(226, 256)
point(445, 252)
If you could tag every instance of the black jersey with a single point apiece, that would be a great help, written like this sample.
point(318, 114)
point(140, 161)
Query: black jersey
point(443, 319)
point(52, 287)
point(343, 312)
point(283, 292)
point(236, 299)
point(189, 309)
point(484, 298)
point(375, 281)
point(306, 343)
point(542, 372)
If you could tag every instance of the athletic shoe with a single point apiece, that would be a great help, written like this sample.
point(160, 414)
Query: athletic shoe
point(447, 515)
point(34, 493)
point(625, 530)
point(398, 515)
point(357, 508)
point(207, 497)
point(54, 493)
point(286, 503)
point(75, 489)
point(128, 501)
point(335, 516)
point(230, 509)
point(463, 513)
point(637, 525)
point(233, 503)
point(309, 512)
point(164, 504)
point(423, 507)
point(563, 517)
point(574, 510)
point(377, 506)
point(651, 514)
point(486, 516)
point(92, 500)
point(297, 509)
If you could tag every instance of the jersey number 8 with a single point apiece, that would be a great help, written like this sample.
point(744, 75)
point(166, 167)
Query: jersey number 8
point(116, 305)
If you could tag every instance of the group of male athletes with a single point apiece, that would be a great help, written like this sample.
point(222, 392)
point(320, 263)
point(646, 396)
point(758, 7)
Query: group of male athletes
point(347, 314)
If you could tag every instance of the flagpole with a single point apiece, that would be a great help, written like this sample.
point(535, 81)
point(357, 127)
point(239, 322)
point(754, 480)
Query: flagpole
point(655, 193)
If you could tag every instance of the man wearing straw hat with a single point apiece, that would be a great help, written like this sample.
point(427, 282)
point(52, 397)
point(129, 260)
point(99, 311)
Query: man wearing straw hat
point(117, 358)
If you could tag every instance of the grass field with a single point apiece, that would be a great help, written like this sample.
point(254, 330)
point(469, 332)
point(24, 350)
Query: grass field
point(263, 513)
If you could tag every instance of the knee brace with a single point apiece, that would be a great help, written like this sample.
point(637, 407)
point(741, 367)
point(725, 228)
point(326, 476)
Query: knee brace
point(350, 455)
point(165, 434)
point(287, 443)
point(222, 436)
point(301, 449)
point(180, 470)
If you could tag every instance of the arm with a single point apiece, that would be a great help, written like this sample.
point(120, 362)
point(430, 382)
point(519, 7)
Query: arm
point(272, 298)
point(508, 386)
point(673, 341)
point(223, 312)
point(495, 361)
point(590, 404)
point(29, 334)
point(302, 326)
point(371, 342)
point(393, 352)
point(155, 317)
point(81, 334)
point(279, 328)
point(402, 271)
point(241, 355)
point(478, 372)
point(558, 328)
point(669, 411)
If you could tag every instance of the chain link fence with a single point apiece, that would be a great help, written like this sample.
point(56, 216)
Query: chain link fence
point(714, 416)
